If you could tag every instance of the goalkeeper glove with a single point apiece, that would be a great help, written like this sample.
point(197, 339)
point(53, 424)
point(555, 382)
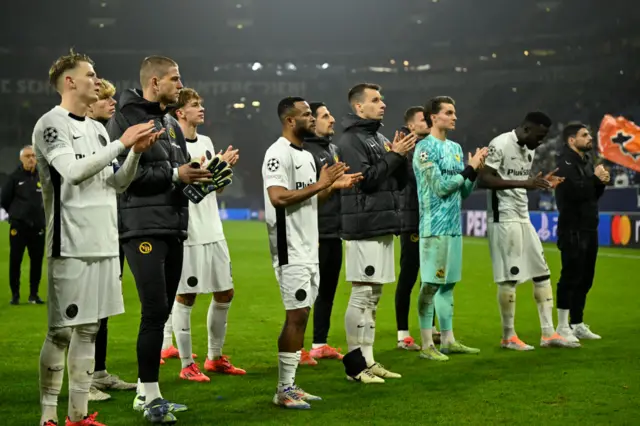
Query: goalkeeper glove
point(221, 176)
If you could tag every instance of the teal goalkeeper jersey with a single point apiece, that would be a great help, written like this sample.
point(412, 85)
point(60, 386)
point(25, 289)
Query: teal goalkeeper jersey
point(437, 165)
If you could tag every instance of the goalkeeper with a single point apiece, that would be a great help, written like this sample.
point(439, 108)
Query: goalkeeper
point(442, 182)
point(207, 267)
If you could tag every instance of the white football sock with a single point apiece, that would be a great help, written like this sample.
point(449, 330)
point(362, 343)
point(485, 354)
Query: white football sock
point(182, 329)
point(370, 324)
point(217, 327)
point(563, 318)
point(446, 337)
point(403, 334)
point(81, 361)
point(140, 388)
point(152, 392)
point(543, 294)
point(507, 305)
point(427, 337)
point(287, 365)
point(167, 342)
point(52, 371)
point(354, 318)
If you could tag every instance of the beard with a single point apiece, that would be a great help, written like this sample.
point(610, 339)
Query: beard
point(302, 133)
point(585, 148)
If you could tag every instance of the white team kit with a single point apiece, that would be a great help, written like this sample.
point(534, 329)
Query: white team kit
point(371, 260)
point(82, 231)
point(293, 230)
point(207, 265)
point(516, 251)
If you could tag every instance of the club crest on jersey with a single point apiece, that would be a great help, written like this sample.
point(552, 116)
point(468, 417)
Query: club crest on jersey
point(50, 135)
point(440, 273)
point(273, 164)
point(387, 146)
point(458, 158)
point(415, 238)
point(145, 247)
point(172, 133)
point(14, 232)
point(335, 158)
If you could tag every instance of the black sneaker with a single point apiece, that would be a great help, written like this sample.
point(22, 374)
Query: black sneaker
point(35, 300)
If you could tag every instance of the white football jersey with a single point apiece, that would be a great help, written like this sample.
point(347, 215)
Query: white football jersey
point(293, 230)
point(205, 225)
point(81, 219)
point(512, 162)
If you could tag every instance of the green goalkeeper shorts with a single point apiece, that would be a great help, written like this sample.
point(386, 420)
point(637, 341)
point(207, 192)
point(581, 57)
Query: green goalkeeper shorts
point(441, 259)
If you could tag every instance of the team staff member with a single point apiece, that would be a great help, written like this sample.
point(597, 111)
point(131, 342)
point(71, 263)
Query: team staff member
point(415, 122)
point(577, 200)
point(22, 200)
point(154, 217)
point(330, 248)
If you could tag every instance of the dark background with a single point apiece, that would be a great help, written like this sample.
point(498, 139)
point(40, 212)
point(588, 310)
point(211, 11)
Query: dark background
point(499, 59)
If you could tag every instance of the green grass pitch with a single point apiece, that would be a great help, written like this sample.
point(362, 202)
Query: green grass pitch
point(596, 385)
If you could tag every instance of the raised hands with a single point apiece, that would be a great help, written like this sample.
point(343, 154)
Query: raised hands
point(141, 136)
point(403, 144)
point(602, 174)
point(477, 160)
point(230, 156)
point(329, 174)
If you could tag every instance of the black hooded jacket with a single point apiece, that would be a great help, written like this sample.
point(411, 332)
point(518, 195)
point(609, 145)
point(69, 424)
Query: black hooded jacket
point(154, 204)
point(22, 199)
point(409, 196)
point(372, 207)
point(325, 152)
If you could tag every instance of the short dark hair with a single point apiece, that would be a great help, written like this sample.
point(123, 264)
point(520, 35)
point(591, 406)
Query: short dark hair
point(538, 118)
point(571, 130)
point(434, 105)
point(287, 106)
point(66, 63)
point(356, 92)
point(155, 66)
point(315, 106)
point(411, 112)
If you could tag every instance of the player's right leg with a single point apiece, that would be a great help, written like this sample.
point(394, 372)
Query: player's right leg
point(298, 287)
point(426, 313)
point(52, 370)
point(506, 248)
point(181, 316)
point(369, 265)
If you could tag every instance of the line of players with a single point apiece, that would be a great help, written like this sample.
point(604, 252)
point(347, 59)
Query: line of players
point(76, 162)
point(368, 225)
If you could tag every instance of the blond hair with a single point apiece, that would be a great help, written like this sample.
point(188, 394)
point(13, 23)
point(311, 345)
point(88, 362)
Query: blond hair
point(64, 64)
point(107, 89)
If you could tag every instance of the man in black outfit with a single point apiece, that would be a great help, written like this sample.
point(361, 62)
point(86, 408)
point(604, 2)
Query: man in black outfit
point(415, 122)
point(577, 200)
point(154, 216)
point(22, 200)
point(330, 249)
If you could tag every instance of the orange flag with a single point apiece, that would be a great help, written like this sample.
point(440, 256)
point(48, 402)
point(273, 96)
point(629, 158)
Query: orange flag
point(619, 141)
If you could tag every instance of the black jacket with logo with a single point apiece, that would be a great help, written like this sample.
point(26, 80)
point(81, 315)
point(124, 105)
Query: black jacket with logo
point(154, 204)
point(409, 196)
point(325, 152)
point(372, 207)
point(21, 198)
point(577, 197)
